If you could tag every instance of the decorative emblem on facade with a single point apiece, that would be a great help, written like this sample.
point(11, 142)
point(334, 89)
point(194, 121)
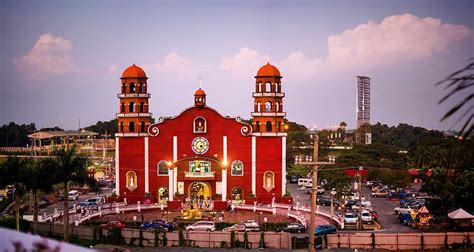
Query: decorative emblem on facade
point(246, 130)
point(200, 145)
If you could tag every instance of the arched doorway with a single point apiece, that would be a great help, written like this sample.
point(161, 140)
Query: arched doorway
point(199, 191)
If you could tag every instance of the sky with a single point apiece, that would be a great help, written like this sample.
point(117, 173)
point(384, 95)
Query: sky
point(61, 61)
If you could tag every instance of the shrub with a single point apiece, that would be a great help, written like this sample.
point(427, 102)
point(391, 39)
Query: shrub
point(232, 239)
point(182, 241)
point(9, 222)
point(262, 240)
point(115, 236)
point(246, 240)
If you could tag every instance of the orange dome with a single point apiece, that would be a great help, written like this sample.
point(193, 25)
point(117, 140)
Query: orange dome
point(200, 92)
point(268, 71)
point(133, 71)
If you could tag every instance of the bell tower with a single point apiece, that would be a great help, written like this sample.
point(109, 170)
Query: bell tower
point(134, 116)
point(268, 116)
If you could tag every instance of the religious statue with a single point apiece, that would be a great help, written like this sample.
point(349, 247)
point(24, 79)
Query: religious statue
point(268, 183)
point(132, 178)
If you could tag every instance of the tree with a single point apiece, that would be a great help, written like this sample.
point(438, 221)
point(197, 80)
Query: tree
point(14, 135)
point(69, 167)
point(459, 82)
point(335, 179)
point(109, 127)
point(14, 171)
point(37, 181)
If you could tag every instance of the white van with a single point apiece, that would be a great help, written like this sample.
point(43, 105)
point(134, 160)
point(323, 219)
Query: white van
point(73, 195)
point(305, 182)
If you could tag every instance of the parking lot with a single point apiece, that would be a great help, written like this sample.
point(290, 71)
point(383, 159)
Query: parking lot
point(383, 206)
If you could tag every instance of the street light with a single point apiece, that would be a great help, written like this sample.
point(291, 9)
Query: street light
point(333, 193)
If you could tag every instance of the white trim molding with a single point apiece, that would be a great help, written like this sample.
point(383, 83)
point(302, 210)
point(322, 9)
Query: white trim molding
point(170, 185)
point(175, 148)
point(224, 184)
point(283, 166)
point(147, 168)
point(175, 179)
point(224, 150)
point(254, 165)
point(117, 166)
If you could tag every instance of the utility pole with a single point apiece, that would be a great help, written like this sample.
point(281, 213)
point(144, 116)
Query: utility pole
point(314, 189)
point(314, 194)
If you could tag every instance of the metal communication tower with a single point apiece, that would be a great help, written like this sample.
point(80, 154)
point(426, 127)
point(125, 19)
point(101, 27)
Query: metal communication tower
point(363, 100)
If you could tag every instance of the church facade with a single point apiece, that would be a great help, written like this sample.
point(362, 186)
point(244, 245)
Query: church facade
point(201, 154)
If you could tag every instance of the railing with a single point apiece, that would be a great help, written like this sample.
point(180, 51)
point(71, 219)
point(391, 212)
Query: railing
point(267, 94)
point(268, 114)
point(147, 95)
point(134, 114)
point(338, 219)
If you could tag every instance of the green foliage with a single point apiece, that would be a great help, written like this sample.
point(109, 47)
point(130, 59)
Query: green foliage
point(222, 225)
point(335, 179)
point(261, 243)
point(140, 238)
point(246, 240)
point(8, 222)
point(109, 127)
point(298, 169)
point(182, 240)
point(299, 242)
point(232, 239)
point(374, 155)
point(394, 178)
point(372, 236)
point(14, 135)
point(270, 226)
point(224, 244)
point(115, 236)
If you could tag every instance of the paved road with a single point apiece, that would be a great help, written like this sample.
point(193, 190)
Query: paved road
point(383, 206)
point(59, 205)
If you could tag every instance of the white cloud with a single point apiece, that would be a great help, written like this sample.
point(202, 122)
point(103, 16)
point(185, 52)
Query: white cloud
point(172, 64)
point(245, 63)
point(395, 40)
point(49, 56)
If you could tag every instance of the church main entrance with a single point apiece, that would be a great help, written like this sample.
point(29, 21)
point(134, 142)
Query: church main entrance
point(199, 191)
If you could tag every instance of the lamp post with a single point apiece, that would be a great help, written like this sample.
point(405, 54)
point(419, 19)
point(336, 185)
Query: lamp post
point(333, 193)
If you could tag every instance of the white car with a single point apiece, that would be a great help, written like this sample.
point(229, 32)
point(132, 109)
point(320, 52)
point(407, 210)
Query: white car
point(73, 195)
point(366, 216)
point(202, 226)
point(350, 218)
point(251, 225)
point(404, 209)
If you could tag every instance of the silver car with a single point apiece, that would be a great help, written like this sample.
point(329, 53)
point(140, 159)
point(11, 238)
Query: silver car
point(201, 226)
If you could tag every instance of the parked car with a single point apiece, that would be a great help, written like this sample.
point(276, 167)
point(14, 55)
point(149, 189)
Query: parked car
point(44, 203)
point(202, 226)
point(326, 201)
point(350, 218)
point(366, 216)
point(2, 197)
point(235, 227)
point(293, 228)
point(251, 225)
point(293, 179)
point(399, 194)
point(380, 193)
point(405, 209)
point(158, 225)
point(325, 229)
point(405, 218)
point(113, 224)
point(73, 195)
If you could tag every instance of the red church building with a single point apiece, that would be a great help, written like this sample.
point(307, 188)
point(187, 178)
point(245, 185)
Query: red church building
point(201, 154)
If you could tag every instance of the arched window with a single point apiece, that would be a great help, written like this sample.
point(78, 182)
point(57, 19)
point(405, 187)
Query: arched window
point(131, 127)
point(162, 168)
point(237, 193)
point(131, 180)
point(142, 107)
point(142, 127)
point(277, 107)
point(268, 87)
point(268, 106)
point(268, 126)
point(131, 107)
point(132, 87)
point(257, 126)
point(123, 88)
point(259, 107)
point(200, 125)
point(278, 87)
point(237, 168)
point(278, 126)
point(122, 107)
point(121, 127)
point(140, 88)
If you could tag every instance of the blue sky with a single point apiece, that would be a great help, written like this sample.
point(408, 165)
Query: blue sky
point(61, 60)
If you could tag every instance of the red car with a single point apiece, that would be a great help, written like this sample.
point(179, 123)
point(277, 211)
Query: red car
point(113, 224)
